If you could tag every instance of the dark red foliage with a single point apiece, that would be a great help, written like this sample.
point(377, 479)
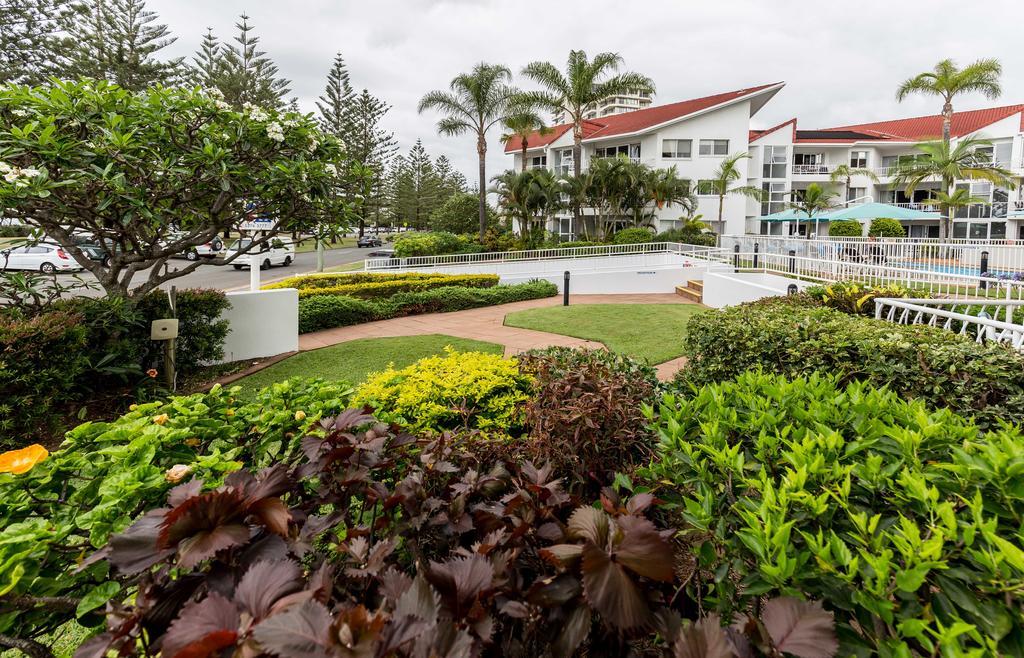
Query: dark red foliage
point(378, 544)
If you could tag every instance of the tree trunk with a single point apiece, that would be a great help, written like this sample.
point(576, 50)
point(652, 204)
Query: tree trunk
point(946, 223)
point(524, 155)
point(481, 151)
point(721, 207)
point(577, 162)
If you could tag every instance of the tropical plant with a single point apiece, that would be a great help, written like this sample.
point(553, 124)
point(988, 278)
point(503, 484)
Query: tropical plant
point(521, 124)
point(949, 164)
point(844, 173)
point(634, 235)
point(845, 228)
point(529, 197)
point(584, 83)
point(948, 81)
point(722, 183)
point(812, 202)
point(886, 227)
point(475, 103)
point(961, 197)
point(854, 297)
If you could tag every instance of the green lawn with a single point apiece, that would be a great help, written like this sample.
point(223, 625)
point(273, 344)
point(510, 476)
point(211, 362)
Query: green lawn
point(347, 267)
point(309, 244)
point(354, 360)
point(651, 332)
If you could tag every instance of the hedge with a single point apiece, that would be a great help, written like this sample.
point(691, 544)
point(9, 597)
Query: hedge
point(326, 311)
point(939, 366)
point(845, 228)
point(633, 236)
point(886, 227)
point(380, 286)
point(904, 520)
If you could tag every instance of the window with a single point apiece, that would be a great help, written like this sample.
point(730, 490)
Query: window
point(856, 193)
point(627, 150)
point(774, 165)
point(808, 158)
point(774, 198)
point(714, 147)
point(676, 148)
point(859, 159)
point(706, 187)
point(998, 231)
point(538, 162)
point(1002, 153)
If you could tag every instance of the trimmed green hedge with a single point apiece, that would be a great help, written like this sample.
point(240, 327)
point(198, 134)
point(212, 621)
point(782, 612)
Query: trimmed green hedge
point(845, 228)
point(382, 286)
point(905, 521)
point(886, 227)
point(941, 367)
point(632, 236)
point(326, 311)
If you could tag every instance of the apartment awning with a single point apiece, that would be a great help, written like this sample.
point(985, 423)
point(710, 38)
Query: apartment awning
point(860, 212)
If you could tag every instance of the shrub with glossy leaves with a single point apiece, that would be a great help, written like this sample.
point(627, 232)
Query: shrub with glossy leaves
point(460, 390)
point(434, 243)
point(854, 297)
point(905, 521)
point(584, 414)
point(632, 236)
point(845, 228)
point(782, 336)
point(886, 227)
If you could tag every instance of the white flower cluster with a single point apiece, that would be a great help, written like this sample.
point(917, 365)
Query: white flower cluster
point(275, 132)
point(290, 123)
point(313, 144)
point(331, 169)
point(256, 113)
point(13, 174)
point(19, 112)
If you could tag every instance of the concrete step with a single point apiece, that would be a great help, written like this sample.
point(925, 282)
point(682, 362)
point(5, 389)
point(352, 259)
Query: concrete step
point(689, 293)
point(695, 285)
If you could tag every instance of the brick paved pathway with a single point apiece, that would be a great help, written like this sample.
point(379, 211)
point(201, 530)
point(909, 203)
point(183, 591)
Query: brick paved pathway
point(487, 324)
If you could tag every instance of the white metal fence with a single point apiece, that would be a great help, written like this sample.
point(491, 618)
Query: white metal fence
point(998, 258)
point(974, 318)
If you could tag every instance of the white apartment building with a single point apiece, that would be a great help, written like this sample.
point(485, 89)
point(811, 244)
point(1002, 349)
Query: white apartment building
point(610, 105)
point(695, 135)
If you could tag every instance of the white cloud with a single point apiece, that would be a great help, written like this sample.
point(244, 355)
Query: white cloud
point(841, 61)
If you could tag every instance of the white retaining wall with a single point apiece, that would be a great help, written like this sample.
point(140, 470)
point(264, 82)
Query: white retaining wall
point(264, 323)
point(729, 288)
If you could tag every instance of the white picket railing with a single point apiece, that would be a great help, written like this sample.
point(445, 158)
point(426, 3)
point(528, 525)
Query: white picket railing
point(981, 325)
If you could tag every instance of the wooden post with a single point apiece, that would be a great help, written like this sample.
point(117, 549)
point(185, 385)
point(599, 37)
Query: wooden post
point(170, 367)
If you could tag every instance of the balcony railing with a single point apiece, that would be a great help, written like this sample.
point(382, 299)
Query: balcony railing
point(812, 169)
point(996, 210)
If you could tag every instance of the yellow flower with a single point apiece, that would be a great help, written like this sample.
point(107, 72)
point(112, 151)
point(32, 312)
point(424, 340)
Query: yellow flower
point(161, 419)
point(177, 472)
point(22, 461)
point(229, 412)
point(192, 442)
point(300, 415)
point(133, 407)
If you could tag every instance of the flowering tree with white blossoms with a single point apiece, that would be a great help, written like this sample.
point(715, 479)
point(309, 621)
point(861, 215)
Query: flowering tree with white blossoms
point(155, 173)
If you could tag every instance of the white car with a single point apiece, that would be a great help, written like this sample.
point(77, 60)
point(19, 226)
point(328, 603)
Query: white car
point(278, 252)
point(45, 258)
point(211, 249)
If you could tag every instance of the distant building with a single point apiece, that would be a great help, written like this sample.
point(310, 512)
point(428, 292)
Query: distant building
point(695, 135)
point(611, 105)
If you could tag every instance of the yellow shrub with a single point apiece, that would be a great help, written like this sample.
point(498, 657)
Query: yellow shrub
point(379, 286)
point(458, 390)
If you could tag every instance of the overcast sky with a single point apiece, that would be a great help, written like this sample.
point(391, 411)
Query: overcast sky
point(841, 61)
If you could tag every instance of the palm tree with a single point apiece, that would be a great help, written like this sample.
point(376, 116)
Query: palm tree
point(844, 172)
point(960, 198)
point(476, 102)
point(723, 179)
point(584, 83)
point(525, 196)
point(950, 163)
point(522, 123)
point(813, 201)
point(947, 81)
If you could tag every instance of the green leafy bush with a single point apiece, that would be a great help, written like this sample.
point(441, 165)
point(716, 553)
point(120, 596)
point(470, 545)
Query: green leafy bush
point(43, 360)
point(684, 236)
point(905, 521)
point(845, 228)
point(943, 368)
point(460, 214)
point(584, 415)
point(201, 330)
point(107, 473)
point(318, 312)
point(379, 286)
point(632, 236)
point(886, 227)
point(434, 243)
point(460, 390)
point(854, 297)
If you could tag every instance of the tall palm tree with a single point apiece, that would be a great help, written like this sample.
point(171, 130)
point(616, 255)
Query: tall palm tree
point(948, 81)
point(812, 202)
point(475, 103)
point(950, 163)
point(723, 182)
point(521, 124)
point(583, 83)
point(844, 172)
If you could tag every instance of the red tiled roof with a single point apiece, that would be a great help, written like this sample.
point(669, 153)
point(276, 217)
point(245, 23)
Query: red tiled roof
point(755, 135)
point(637, 120)
point(930, 127)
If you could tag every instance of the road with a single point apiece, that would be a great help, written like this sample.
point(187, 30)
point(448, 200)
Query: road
point(220, 277)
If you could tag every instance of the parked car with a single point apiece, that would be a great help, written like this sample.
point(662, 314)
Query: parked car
point(91, 249)
point(278, 252)
point(43, 257)
point(211, 249)
point(369, 241)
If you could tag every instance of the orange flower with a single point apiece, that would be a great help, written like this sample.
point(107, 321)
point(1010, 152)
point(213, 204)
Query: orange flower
point(152, 373)
point(300, 415)
point(22, 461)
point(161, 419)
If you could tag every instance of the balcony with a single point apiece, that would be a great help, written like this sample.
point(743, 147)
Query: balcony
point(813, 169)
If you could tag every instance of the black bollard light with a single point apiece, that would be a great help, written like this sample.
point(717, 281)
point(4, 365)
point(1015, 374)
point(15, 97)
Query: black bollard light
point(757, 248)
point(984, 270)
point(792, 289)
point(736, 258)
point(565, 289)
